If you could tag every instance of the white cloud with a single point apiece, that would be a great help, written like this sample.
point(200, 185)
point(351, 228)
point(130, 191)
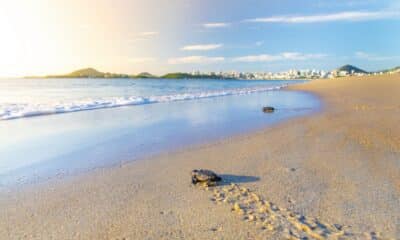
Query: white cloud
point(148, 34)
point(372, 57)
point(216, 25)
point(202, 47)
point(340, 16)
point(142, 60)
point(290, 56)
point(195, 60)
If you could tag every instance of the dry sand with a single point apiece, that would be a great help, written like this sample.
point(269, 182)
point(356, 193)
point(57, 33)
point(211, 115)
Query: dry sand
point(335, 174)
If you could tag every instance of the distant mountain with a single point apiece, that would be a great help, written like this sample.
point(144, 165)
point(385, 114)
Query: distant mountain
point(145, 75)
point(93, 73)
point(89, 73)
point(350, 69)
point(177, 75)
point(86, 72)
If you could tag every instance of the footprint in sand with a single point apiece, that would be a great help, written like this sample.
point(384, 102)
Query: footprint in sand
point(251, 207)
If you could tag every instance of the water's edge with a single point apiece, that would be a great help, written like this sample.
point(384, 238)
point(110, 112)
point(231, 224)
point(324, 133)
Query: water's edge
point(87, 162)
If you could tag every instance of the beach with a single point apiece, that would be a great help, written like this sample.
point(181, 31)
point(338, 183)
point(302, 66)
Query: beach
point(332, 174)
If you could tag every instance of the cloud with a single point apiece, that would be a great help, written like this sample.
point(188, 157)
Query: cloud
point(290, 56)
point(372, 57)
point(148, 34)
point(195, 60)
point(203, 47)
point(284, 56)
point(340, 16)
point(216, 25)
point(142, 60)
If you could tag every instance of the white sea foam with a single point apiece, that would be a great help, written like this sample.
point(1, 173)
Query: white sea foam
point(14, 111)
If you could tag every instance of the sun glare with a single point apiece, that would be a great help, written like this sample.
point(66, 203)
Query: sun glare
point(24, 43)
point(40, 37)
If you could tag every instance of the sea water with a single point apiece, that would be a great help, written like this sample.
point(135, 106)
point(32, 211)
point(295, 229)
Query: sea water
point(53, 127)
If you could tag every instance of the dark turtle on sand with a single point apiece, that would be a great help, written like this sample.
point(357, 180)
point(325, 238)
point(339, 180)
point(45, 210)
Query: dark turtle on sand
point(268, 109)
point(207, 177)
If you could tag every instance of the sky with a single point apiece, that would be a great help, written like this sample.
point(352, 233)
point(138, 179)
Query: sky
point(40, 37)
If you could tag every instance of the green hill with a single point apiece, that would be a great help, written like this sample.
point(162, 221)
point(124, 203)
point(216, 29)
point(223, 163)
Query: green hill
point(351, 69)
point(145, 75)
point(177, 75)
point(89, 73)
point(86, 72)
point(93, 73)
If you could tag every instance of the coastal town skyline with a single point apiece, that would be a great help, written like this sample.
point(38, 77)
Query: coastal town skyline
point(50, 37)
point(290, 74)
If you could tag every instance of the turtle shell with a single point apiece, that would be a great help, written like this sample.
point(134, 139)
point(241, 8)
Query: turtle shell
point(204, 175)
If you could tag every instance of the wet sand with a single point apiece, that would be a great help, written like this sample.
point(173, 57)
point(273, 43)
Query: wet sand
point(335, 174)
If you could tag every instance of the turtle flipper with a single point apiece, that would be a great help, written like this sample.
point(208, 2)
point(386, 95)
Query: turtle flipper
point(218, 178)
point(194, 180)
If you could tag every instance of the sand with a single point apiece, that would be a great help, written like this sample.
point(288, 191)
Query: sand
point(334, 175)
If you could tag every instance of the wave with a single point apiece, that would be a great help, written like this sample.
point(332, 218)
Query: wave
point(14, 111)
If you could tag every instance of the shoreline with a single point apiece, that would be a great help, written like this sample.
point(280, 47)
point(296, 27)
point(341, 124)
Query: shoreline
point(32, 184)
point(153, 198)
point(132, 133)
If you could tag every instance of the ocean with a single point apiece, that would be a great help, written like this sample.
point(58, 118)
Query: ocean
point(20, 98)
point(53, 127)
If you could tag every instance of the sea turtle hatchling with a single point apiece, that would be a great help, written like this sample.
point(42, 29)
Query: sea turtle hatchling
point(207, 177)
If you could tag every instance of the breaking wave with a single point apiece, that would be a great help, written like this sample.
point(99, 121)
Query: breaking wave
point(23, 110)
